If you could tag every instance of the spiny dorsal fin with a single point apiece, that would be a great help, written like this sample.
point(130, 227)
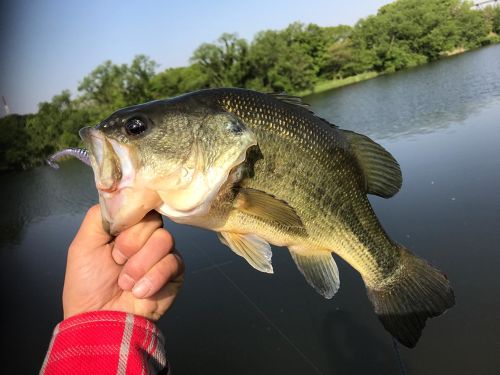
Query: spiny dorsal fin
point(254, 249)
point(319, 269)
point(297, 101)
point(258, 203)
point(290, 99)
point(381, 170)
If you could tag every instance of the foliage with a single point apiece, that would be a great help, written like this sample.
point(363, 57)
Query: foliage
point(297, 59)
point(224, 63)
point(496, 20)
point(14, 143)
point(111, 86)
point(407, 33)
point(280, 61)
point(174, 81)
point(56, 125)
point(492, 16)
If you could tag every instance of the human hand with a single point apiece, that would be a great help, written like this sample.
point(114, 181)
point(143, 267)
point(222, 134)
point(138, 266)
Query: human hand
point(137, 272)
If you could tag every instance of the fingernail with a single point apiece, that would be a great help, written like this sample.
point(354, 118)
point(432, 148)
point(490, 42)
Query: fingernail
point(126, 282)
point(118, 256)
point(142, 288)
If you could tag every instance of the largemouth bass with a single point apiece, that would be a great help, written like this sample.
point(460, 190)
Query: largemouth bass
point(262, 169)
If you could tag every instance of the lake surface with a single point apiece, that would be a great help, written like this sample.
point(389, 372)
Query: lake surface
point(441, 122)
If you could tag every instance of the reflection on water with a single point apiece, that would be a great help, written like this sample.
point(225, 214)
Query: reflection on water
point(420, 100)
point(34, 195)
point(440, 121)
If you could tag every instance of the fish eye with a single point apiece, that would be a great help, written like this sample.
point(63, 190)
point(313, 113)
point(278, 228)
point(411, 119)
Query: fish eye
point(135, 126)
point(234, 127)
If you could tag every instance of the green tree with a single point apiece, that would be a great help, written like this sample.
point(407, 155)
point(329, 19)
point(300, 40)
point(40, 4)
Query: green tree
point(402, 34)
point(474, 29)
point(138, 77)
point(496, 20)
point(56, 124)
point(283, 61)
point(406, 33)
point(175, 81)
point(110, 87)
point(225, 62)
point(339, 51)
point(15, 150)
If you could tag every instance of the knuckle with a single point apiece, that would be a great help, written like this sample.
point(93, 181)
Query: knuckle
point(126, 244)
point(135, 269)
point(166, 238)
point(161, 275)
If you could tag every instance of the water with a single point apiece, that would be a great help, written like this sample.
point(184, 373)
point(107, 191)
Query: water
point(440, 121)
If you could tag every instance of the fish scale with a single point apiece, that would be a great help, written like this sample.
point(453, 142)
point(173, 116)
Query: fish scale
point(262, 169)
point(281, 135)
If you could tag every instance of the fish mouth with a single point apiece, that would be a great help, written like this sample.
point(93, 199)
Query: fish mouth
point(123, 204)
point(104, 159)
point(114, 163)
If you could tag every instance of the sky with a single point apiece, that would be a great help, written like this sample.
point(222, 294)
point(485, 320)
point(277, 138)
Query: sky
point(49, 46)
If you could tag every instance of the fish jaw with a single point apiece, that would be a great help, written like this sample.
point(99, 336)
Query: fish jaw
point(104, 160)
point(126, 207)
point(124, 200)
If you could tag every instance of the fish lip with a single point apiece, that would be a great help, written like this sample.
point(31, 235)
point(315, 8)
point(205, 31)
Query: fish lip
point(111, 193)
point(112, 189)
point(114, 167)
point(102, 152)
point(93, 143)
point(83, 133)
point(86, 134)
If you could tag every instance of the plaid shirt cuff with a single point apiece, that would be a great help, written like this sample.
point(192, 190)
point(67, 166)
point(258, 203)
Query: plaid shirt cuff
point(106, 342)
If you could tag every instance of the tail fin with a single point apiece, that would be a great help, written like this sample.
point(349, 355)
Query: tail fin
point(416, 292)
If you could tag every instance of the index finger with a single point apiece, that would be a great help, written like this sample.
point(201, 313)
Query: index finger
point(131, 240)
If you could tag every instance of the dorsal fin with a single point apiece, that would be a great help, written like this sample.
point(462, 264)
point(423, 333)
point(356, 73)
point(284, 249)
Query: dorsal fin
point(290, 99)
point(381, 170)
point(297, 101)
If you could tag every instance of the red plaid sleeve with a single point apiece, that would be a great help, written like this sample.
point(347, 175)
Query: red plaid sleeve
point(106, 342)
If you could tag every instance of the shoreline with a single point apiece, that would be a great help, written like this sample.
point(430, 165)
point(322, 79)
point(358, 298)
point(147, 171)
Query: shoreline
point(324, 86)
point(336, 83)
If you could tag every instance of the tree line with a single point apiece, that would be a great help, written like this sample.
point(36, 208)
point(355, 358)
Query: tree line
point(402, 34)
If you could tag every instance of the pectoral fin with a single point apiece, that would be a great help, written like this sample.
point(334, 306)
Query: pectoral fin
point(319, 269)
point(254, 249)
point(258, 203)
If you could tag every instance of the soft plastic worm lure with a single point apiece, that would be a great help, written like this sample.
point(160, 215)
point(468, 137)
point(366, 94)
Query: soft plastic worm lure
point(79, 153)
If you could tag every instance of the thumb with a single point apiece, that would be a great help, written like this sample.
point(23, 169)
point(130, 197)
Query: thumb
point(91, 234)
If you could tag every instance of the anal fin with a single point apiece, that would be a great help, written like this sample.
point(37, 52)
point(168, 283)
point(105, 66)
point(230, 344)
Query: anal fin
point(254, 249)
point(319, 269)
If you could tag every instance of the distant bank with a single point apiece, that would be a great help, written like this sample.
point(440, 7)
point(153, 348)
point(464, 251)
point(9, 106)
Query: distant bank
point(336, 83)
point(300, 59)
